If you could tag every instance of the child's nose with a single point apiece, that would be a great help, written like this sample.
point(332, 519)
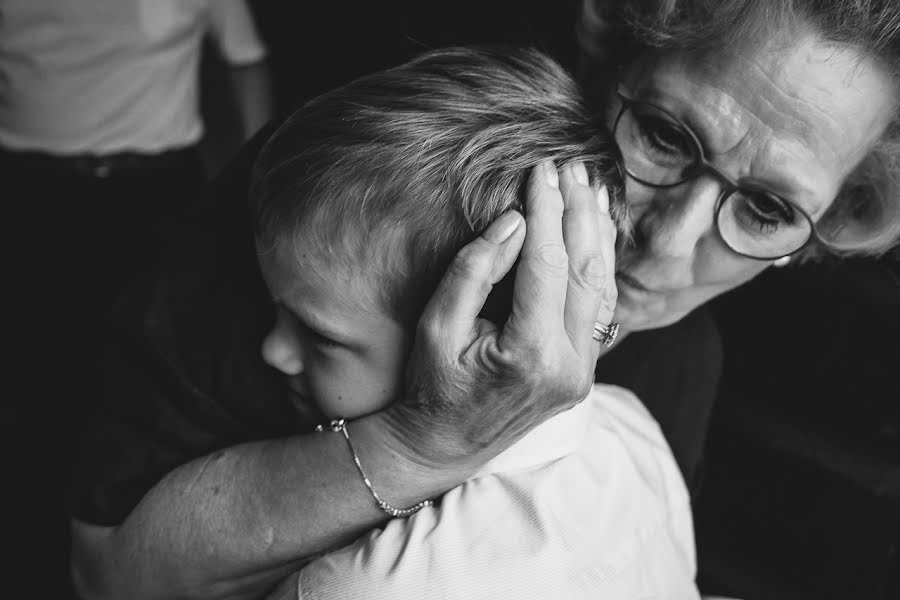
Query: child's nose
point(281, 351)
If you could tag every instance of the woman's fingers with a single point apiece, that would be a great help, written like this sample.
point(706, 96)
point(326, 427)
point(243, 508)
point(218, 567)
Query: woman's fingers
point(539, 292)
point(590, 245)
point(608, 234)
point(460, 296)
point(473, 388)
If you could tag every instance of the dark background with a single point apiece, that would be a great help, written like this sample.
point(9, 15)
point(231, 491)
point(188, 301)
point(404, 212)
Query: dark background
point(801, 490)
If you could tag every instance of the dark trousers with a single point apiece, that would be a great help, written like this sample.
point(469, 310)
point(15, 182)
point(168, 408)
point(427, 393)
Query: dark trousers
point(78, 232)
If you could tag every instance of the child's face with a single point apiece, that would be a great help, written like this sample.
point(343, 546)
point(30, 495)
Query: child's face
point(331, 339)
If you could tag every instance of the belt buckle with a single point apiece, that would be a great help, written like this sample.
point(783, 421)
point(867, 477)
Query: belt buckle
point(101, 170)
point(92, 165)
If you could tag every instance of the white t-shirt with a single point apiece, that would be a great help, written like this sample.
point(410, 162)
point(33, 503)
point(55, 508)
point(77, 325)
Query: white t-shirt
point(103, 76)
point(589, 505)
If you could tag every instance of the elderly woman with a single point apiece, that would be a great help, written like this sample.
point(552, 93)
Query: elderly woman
point(751, 134)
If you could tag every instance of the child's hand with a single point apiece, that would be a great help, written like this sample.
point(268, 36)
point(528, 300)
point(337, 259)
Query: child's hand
point(473, 388)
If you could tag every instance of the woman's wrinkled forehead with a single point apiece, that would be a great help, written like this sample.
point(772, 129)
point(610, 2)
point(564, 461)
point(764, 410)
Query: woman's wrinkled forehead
point(794, 118)
point(784, 84)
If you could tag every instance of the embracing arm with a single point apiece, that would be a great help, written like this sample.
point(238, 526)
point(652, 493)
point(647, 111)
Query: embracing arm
point(232, 524)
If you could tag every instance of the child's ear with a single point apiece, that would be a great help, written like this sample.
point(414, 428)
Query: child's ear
point(498, 305)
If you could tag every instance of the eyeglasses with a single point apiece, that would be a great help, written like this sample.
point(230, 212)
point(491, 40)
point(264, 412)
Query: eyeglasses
point(659, 151)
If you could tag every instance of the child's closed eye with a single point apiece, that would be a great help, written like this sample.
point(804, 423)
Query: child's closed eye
point(317, 338)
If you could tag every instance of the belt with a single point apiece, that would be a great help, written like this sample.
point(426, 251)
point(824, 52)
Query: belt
point(103, 166)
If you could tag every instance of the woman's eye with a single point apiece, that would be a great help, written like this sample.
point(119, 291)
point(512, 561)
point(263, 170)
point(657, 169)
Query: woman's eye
point(768, 214)
point(772, 209)
point(664, 136)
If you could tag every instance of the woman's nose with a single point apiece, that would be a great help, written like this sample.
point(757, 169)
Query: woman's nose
point(281, 350)
point(678, 218)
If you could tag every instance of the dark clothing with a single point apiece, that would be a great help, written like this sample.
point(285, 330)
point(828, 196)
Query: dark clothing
point(79, 230)
point(83, 227)
point(182, 371)
point(675, 372)
point(76, 231)
point(184, 375)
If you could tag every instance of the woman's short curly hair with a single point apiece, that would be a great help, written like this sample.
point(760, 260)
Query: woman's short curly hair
point(612, 32)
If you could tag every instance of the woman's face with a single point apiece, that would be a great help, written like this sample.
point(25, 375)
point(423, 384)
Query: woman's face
point(793, 121)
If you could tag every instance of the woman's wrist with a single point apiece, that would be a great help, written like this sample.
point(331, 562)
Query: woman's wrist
point(400, 473)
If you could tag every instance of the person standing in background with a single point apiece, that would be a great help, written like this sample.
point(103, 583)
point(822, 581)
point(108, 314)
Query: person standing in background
point(100, 135)
point(100, 155)
point(102, 97)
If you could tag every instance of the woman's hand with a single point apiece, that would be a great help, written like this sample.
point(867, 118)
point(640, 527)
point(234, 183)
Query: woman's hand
point(473, 388)
point(235, 522)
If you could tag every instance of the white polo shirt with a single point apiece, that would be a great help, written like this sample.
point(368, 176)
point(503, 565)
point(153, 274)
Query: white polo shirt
point(590, 504)
point(103, 76)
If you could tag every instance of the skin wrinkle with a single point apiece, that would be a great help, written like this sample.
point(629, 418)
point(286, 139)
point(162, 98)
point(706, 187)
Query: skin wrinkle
point(206, 464)
point(771, 94)
point(736, 108)
point(773, 105)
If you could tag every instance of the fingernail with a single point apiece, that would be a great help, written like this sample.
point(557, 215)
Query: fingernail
point(551, 174)
point(580, 173)
point(603, 199)
point(505, 229)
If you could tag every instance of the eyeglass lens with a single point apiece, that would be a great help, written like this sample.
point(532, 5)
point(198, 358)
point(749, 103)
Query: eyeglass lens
point(658, 151)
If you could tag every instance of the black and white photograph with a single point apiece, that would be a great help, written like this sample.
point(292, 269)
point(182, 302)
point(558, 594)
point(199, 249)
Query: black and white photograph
point(465, 300)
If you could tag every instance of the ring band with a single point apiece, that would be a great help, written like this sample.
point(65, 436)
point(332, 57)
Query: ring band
point(606, 334)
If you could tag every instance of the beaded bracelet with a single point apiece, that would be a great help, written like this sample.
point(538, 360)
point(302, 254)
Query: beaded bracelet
point(340, 425)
